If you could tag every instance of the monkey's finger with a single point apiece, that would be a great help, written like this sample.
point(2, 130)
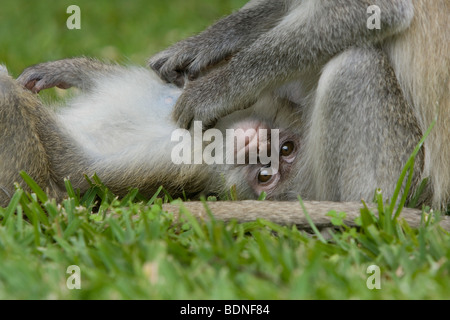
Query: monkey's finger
point(208, 117)
point(174, 77)
point(31, 85)
point(180, 81)
point(38, 84)
point(156, 62)
point(200, 64)
point(42, 85)
point(184, 122)
point(63, 85)
point(184, 119)
point(187, 118)
point(32, 80)
point(26, 79)
point(170, 76)
point(183, 113)
point(35, 85)
point(193, 74)
point(175, 67)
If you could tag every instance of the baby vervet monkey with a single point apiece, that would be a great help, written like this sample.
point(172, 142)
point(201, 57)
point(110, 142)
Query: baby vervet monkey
point(373, 90)
point(119, 127)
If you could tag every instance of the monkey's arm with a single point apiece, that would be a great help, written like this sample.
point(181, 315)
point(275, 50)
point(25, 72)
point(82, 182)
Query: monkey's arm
point(308, 36)
point(66, 73)
point(219, 41)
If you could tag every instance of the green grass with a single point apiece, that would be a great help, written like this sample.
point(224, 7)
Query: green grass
point(134, 250)
point(117, 30)
point(130, 249)
point(127, 31)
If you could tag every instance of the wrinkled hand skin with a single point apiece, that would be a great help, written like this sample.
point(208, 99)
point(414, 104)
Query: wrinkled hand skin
point(208, 93)
point(187, 58)
point(190, 57)
point(66, 73)
point(202, 98)
point(202, 101)
point(40, 77)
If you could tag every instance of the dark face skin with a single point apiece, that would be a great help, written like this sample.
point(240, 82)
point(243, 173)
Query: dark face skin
point(261, 179)
point(251, 179)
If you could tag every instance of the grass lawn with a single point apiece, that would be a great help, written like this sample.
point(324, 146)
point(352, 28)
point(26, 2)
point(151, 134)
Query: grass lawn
point(130, 249)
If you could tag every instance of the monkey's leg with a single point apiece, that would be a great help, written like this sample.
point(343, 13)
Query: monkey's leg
point(362, 130)
point(66, 73)
point(21, 147)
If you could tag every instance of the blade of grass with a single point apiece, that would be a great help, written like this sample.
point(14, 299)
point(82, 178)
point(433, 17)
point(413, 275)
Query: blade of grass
point(13, 204)
point(152, 200)
point(409, 163)
point(71, 192)
point(415, 199)
point(192, 221)
point(34, 187)
point(129, 197)
point(406, 191)
point(311, 223)
point(262, 196)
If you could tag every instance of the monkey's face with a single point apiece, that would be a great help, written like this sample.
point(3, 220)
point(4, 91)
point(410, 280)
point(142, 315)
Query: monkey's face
point(265, 178)
point(268, 156)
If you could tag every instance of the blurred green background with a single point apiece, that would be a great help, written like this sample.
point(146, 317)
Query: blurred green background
point(118, 30)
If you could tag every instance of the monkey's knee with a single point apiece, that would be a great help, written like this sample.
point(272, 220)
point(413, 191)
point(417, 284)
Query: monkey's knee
point(350, 74)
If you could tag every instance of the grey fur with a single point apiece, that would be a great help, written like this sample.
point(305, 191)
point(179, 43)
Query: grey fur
point(51, 146)
point(118, 127)
point(359, 131)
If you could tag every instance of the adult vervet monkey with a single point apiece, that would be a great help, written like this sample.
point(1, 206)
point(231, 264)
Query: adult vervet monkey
point(360, 128)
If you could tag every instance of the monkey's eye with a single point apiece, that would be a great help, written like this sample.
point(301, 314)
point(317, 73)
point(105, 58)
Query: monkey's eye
point(287, 148)
point(264, 176)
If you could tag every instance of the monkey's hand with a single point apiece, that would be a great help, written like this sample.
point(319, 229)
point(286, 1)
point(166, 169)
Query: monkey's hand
point(42, 76)
point(66, 73)
point(210, 98)
point(188, 58)
point(191, 57)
